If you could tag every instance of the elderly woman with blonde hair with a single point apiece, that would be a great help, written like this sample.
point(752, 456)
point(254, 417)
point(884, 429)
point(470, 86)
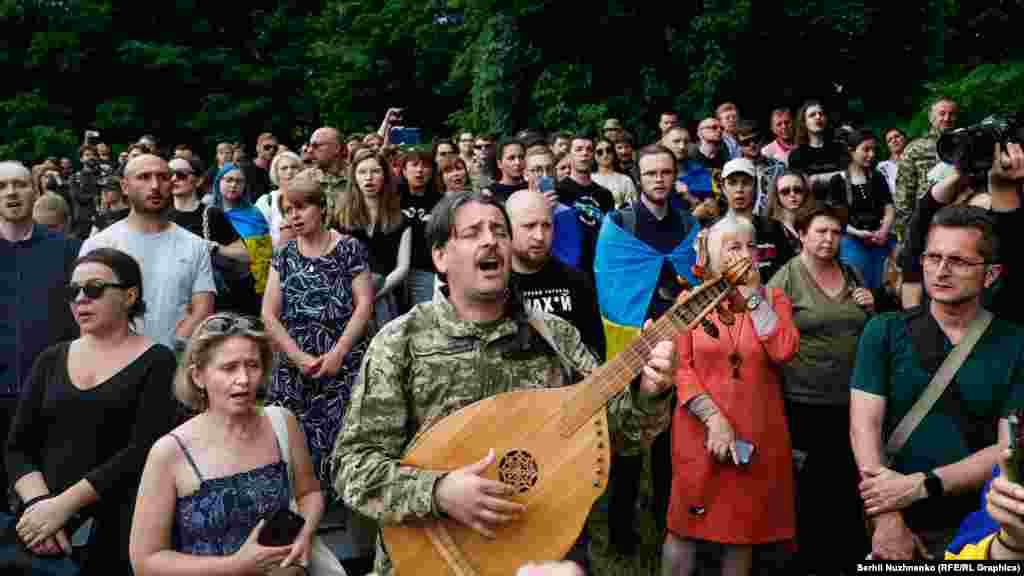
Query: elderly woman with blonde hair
point(210, 484)
point(732, 463)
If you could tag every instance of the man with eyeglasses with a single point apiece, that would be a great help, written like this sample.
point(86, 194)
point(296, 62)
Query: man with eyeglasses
point(328, 154)
point(175, 262)
point(36, 263)
point(266, 149)
point(767, 170)
point(916, 501)
point(483, 170)
point(643, 249)
point(710, 150)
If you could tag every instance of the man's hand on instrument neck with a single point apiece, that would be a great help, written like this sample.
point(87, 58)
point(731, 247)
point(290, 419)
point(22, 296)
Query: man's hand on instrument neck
point(474, 501)
point(657, 374)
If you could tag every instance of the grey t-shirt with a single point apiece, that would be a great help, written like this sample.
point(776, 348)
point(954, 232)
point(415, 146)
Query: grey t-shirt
point(175, 265)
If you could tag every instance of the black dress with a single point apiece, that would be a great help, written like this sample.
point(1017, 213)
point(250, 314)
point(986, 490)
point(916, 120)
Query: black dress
point(102, 434)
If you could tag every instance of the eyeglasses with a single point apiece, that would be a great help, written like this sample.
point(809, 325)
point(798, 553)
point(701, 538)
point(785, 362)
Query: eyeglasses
point(602, 151)
point(93, 290)
point(791, 190)
point(230, 323)
point(181, 174)
point(269, 147)
point(957, 265)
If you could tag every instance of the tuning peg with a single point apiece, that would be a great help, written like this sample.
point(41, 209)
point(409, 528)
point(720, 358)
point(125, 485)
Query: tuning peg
point(710, 328)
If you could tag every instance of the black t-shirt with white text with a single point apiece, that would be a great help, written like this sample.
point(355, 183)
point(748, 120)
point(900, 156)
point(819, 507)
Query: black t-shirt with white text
point(568, 294)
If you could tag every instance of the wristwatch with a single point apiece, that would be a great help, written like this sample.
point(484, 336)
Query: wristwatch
point(754, 301)
point(932, 484)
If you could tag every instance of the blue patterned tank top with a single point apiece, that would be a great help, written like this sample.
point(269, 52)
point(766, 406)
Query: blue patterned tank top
point(217, 518)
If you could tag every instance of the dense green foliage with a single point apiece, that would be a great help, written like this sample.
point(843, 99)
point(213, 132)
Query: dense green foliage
point(200, 72)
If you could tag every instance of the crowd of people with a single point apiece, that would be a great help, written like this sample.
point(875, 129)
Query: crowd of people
point(188, 350)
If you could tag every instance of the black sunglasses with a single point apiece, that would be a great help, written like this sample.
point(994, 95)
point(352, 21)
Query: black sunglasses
point(602, 151)
point(231, 323)
point(93, 290)
point(269, 146)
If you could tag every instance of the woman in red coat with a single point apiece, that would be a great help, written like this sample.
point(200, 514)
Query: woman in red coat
point(730, 391)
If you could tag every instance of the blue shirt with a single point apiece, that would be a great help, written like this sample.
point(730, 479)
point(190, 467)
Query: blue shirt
point(33, 314)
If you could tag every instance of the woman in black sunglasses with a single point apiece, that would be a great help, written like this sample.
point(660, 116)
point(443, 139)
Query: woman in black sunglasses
point(90, 412)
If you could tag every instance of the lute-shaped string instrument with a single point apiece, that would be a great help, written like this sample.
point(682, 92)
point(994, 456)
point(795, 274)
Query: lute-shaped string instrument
point(551, 445)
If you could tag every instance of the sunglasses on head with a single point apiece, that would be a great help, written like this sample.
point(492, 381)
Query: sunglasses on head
point(93, 290)
point(231, 323)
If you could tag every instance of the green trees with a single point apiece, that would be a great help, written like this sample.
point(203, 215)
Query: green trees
point(203, 72)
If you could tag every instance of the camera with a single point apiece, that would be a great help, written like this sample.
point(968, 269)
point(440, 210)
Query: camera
point(970, 149)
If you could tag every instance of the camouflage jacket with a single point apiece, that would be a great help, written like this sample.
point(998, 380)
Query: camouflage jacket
point(912, 175)
point(333, 188)
point(428, 364)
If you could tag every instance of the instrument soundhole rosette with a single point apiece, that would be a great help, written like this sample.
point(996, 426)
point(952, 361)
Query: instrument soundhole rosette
point(519, 470)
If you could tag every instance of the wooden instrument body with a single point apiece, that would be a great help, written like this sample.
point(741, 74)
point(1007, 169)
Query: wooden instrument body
point(551, 443)
point(560, 478)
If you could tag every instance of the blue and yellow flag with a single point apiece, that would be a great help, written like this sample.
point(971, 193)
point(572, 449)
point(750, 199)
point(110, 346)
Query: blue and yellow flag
point(626, 272)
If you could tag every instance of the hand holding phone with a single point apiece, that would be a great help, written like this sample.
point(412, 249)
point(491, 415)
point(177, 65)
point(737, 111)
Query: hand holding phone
point(281, 528)
point(1016, 447)
point(744, 452)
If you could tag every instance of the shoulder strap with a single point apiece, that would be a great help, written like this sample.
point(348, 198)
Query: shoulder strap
point(188, 455)
point(206, 222)
point(628, 213)
point(939, 382)
point(545, 332)
point(277, 420)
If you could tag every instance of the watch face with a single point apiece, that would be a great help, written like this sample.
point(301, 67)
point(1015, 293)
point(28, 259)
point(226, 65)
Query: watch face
point(753, 302)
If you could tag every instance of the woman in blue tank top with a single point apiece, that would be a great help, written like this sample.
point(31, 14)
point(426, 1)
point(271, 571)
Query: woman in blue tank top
point(208, 485)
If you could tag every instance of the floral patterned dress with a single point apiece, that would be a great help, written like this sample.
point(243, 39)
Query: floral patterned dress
point(317, 304)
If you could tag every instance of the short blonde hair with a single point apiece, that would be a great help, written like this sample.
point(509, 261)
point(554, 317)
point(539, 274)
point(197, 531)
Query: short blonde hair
point(731, 224)
point(204, 344)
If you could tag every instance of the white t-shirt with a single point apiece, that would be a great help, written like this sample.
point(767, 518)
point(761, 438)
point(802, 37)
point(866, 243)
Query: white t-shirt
point(269, 206)
point(621, 186)
point(175, 265)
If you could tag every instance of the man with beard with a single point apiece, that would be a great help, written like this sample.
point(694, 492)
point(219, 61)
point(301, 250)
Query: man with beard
point(544, 282)
point(37, 263)
point(471, 341)
point(642, 251)
point(916, 501)
point(175, 263)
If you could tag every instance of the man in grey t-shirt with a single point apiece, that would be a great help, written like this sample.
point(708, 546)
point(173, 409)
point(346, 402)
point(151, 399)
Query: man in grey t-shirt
point(177, 278)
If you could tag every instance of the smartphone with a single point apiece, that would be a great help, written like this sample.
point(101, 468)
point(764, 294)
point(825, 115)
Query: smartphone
point(1016, 446)
point(402, 136)
point(744, 452)
point(90, 135)
point(281, 528)
point(546, 184)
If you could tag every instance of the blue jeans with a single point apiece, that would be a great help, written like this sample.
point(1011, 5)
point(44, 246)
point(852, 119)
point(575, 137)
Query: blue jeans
point(420, 286)
point(868, 259)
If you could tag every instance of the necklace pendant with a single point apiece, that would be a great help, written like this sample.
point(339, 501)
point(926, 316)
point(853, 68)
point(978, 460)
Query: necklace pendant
point(735, 361)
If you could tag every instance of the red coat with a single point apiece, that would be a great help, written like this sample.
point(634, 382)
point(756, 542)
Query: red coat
point(753, 504)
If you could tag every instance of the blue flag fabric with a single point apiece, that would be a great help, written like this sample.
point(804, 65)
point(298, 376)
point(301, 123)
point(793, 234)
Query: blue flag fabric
point(567, 243)
point(626, 272)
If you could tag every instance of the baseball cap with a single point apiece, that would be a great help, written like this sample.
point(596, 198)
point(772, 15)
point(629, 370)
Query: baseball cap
point(739, 165)
point(612, 124)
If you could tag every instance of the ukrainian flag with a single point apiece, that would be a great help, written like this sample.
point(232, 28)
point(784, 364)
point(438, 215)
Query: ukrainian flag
point(626, 272)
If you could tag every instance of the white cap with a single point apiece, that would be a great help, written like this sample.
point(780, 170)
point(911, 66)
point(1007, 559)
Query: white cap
point(739, 165)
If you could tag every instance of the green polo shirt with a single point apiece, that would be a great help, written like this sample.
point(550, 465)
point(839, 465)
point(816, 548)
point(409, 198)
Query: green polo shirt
point(989, 384)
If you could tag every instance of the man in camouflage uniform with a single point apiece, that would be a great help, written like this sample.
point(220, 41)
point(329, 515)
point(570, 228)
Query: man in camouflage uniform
point(329, 171)
point(471, 342)
point(918, 158)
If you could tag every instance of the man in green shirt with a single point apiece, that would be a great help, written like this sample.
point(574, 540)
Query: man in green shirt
point(916, 503)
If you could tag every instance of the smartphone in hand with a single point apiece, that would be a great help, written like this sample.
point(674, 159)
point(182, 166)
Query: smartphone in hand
point(744, 452)
point(281, 528)
point(1016, 446)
